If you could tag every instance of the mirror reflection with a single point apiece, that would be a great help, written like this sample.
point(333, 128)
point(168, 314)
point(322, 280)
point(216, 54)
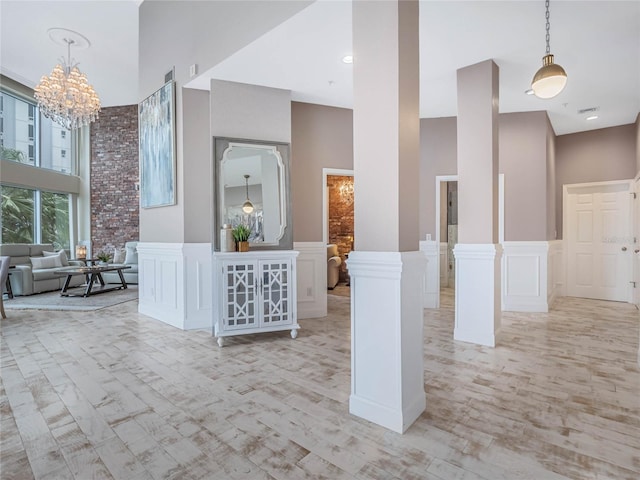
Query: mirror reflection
point(251, 186)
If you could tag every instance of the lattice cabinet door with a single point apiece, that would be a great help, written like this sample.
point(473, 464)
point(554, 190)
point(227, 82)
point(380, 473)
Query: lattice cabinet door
point(275, 278)
point(240, 295)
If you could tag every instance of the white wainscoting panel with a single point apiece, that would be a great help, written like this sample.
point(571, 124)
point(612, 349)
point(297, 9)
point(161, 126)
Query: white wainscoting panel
point(477, 301)
point(431, 294)
point(175, 283)
point(525, 277)
point(555, 284)
point(199, 286)
point(311, 267)
point(387, 346)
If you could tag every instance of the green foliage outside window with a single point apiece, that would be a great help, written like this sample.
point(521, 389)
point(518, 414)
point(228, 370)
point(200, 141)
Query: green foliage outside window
point(12, 154)
point(54, 220)
point(19, 217)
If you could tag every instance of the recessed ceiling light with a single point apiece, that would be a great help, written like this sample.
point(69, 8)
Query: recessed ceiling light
point(592, 117)
point(347, 59)
point(529, 92)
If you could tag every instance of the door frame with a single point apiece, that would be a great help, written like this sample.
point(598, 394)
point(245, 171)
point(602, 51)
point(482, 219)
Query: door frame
point(565, 222)
point(326, 172)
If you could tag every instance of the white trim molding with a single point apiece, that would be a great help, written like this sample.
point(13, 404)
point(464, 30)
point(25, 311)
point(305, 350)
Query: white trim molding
point(175, 283)
point(311, 266)
point(387, 341)
point(525, 276)
point(477, 301)
point(430, 293)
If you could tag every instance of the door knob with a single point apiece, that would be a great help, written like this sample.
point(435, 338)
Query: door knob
point(624, 249)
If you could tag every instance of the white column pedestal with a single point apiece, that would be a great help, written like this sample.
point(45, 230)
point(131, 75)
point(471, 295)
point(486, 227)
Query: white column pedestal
point(387, 342)
point(478, 302)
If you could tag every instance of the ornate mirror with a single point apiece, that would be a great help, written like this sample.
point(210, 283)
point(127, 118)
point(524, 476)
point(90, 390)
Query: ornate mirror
point(252, 188)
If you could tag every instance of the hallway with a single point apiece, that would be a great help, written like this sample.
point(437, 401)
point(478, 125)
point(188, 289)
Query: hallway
point(114, 394)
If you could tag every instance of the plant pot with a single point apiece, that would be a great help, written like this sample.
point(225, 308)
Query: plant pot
point(243, 246)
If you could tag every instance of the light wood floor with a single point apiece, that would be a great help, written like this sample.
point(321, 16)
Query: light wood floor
point(115, 394)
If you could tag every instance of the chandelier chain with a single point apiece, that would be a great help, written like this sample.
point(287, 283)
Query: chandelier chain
point(546, 4)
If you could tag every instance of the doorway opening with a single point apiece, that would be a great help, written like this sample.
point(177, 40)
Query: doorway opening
point(339, 231)
point(447, 229)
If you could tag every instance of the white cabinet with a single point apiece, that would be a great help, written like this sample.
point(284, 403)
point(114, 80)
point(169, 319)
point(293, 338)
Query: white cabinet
point(255, 292)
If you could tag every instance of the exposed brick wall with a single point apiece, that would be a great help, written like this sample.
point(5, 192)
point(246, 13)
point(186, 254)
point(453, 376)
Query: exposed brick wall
point(114, 174)
point(341, 216)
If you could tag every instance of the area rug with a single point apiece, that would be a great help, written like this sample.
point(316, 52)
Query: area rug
point(53, 301)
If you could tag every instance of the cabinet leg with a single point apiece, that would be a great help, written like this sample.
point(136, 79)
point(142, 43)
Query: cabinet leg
point(294, 333)
point(221, 341)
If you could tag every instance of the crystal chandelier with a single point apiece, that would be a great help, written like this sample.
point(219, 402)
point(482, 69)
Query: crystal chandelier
point(65, 96)
point(346, 191)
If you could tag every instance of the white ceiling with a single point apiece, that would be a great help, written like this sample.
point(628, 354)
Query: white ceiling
point(597, 42)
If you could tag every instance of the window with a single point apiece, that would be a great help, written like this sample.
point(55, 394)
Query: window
point(54, 219)
point(34, 216)
point(15, 130)
point(28, 137)
point(18, 215)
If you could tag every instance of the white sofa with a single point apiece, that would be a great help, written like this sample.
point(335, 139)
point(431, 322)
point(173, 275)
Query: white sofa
point(130, 260)
point(27, 277)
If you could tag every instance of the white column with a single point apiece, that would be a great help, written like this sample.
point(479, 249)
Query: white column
point(387, 371)
point(387, 270)
point(478, 254)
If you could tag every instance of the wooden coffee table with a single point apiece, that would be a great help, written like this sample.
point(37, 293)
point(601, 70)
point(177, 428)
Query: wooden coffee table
point(94, 277)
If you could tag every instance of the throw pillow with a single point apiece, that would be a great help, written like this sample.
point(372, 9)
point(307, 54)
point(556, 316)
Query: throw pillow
point(63, 256)
point(119, 255)
point(45, 262)
point(131, 257)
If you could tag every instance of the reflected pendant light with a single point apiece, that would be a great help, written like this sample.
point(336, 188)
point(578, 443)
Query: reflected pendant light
point(550, 80)
point(247, 207)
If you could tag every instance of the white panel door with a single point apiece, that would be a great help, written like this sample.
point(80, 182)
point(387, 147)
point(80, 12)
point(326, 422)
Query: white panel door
point(599, 242)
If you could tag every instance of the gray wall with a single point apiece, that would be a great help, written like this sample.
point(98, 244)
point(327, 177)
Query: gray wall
point(250, 112)
point(321, 137)
point(438, 156)
point(177, 34)
point(523, 160)
point(594, 156)
point(524, 140)
point(197, 166)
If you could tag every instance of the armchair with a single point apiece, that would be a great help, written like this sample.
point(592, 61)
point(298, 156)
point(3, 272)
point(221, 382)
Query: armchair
point(333, 266)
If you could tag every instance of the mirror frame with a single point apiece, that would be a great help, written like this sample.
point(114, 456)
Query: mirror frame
point(220, 146)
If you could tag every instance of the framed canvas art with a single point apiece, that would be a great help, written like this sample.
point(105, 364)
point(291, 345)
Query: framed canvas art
point(157, 135)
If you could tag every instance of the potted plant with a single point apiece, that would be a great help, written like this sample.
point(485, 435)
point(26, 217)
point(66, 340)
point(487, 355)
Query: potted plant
point(104, 257)
point(241, 235)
